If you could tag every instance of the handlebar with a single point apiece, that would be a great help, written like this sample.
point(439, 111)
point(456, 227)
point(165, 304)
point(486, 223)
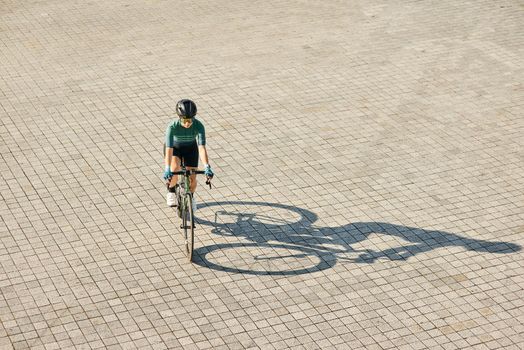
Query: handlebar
point(189, 172)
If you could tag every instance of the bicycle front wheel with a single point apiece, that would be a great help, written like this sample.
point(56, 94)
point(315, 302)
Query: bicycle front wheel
point(189, 226)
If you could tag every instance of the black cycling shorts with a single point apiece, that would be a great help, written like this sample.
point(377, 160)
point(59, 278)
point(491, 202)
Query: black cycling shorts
point(188, 152)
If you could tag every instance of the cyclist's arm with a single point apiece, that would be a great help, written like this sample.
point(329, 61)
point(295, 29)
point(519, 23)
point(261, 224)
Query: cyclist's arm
point(169, 147)
point(201, 140)
point(169, 157)
point(203, 154)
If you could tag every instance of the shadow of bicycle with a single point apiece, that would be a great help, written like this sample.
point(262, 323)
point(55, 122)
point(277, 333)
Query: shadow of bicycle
point(282, 240)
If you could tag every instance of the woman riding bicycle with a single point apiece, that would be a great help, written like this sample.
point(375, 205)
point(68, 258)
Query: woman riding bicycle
point(185, 138)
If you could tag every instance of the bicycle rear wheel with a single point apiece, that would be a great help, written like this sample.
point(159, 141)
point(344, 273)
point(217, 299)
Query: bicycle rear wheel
point(188, 225)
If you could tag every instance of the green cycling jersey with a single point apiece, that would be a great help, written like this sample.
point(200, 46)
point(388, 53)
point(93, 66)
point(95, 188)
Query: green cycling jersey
point(177, 135)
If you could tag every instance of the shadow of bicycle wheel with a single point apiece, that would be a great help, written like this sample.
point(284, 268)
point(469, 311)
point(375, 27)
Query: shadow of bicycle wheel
point(263, 259)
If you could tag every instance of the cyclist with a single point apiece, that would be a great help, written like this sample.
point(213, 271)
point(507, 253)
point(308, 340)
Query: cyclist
point(185, 138)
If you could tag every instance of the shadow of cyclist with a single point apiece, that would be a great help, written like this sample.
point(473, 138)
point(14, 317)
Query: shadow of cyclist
point(421, 241)
point(265, 225)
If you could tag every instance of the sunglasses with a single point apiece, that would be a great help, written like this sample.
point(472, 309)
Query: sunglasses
point(185, 120)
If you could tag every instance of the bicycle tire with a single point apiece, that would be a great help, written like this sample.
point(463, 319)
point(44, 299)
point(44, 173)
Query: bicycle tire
point(189, 227)
point(178, 201)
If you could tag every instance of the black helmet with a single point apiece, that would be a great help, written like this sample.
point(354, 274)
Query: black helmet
point(186, 108)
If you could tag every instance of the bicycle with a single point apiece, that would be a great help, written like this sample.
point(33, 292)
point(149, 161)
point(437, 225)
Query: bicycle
point(184, 205)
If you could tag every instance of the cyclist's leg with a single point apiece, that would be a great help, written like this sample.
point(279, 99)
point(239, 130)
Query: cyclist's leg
point(171, 196)
point(191, 159)
point(193, 181)
point(175, 166)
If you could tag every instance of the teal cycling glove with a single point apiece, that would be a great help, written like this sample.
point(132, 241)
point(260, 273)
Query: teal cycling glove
point(207, 170)
point(168, 173)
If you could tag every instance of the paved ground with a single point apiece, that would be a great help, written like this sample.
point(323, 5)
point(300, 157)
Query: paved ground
point(369, 190)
